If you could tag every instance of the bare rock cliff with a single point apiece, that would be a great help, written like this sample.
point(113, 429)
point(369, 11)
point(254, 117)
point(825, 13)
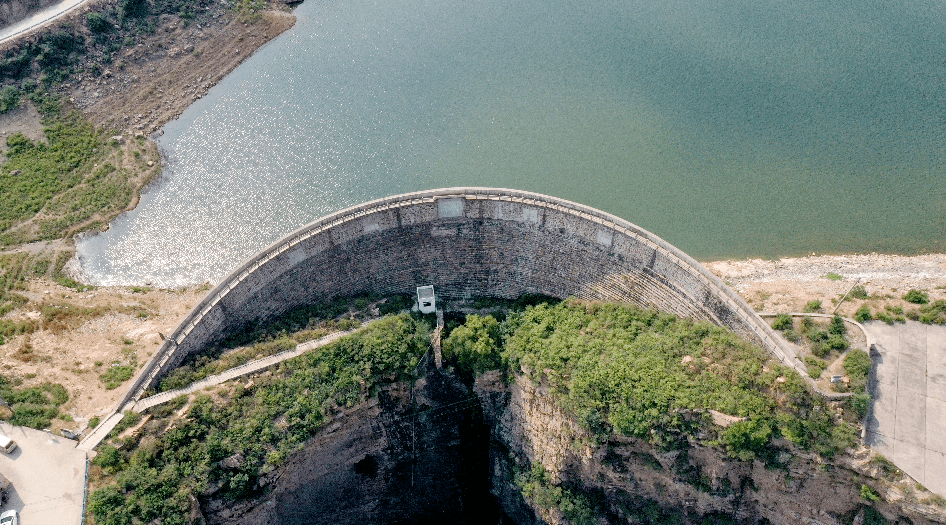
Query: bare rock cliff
point(437, 451)
point(417, 453)
point(631, 481)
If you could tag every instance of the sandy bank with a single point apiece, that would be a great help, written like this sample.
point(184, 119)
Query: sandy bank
point(788, 284)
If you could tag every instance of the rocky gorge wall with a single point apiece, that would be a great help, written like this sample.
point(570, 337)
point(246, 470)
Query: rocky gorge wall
point(627, 480)
point(467, 242)
point(436, 450)
point(416, 453)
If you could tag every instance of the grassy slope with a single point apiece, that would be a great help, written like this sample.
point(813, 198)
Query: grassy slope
point(261, 426)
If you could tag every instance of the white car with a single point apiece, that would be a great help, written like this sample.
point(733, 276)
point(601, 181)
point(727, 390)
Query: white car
point(8, 518)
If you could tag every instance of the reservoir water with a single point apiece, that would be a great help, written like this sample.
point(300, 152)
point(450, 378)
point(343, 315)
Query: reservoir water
point(731, 128)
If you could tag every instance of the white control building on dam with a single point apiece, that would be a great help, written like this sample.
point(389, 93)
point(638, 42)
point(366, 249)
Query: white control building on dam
point(466, 242)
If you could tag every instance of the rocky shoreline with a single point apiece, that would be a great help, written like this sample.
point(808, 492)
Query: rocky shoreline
point(788, 284)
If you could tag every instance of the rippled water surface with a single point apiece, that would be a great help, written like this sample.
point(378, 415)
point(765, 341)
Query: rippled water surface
point(731, 128)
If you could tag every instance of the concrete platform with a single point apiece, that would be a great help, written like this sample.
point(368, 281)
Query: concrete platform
point(907, 419)
point(47, 474)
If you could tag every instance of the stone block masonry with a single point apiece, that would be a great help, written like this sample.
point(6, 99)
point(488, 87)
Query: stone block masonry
point(467, 242)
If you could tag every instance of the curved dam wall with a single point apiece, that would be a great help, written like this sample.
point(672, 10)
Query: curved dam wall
point(466, 242)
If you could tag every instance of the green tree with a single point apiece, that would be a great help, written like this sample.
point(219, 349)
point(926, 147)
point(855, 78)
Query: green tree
point(475, 345)
point(748, 438)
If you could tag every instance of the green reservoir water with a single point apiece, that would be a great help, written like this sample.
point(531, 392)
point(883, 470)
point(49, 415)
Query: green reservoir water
point(731, 128)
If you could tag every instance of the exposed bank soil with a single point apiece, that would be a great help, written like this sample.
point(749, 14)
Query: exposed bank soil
point(24, 119)
point(147, 85)
point(153, 82)
point(787, 285)
point(123, 328)
point(69, 356)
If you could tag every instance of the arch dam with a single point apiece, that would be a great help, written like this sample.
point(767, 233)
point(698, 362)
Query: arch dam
point(466, 242)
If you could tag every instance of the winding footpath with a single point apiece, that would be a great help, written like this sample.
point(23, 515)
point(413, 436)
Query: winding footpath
point(105, 427)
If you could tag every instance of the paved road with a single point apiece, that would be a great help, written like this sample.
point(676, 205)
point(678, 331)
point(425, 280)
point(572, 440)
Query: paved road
point(907, 420)
point(38, 19)
point(48, 477)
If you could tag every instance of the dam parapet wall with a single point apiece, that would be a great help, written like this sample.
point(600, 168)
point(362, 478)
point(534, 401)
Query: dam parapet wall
point(467, 242)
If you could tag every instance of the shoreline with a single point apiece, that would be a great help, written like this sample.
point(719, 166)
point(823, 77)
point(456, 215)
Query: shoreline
point(789, 284)
point(68, 355)
point(154, 81)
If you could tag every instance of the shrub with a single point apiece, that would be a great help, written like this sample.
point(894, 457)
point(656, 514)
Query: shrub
point(116, 375)
point(857, 365)
point(263, 424)
point(782, 322)
point(98, 22)
point(58, 176)
point(831, 276)
point(31, 415)
point(128, 420)
point(249, 10)
point(792, 335)
point(837, 325)
point(837, 342)
point(9, 98)
point(576, 505)
point(916, 297)
point(894, 309)
point(889, 318)
point(858, 292)
point(869, 494)
point(109, 458)
point(34, 406)
point(94, 422)
point(820, 349)
point(16, 66)
point(748, 438)
point(133, 9)
point(57, 52)
point(933, 313)
point(812, 306)
point(860, 403)
point(475, 345)
point(815, 366)
point(815, 333)
point(863, 314)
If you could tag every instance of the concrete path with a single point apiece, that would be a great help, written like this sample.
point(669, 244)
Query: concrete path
point(242, 370)
point(38, 19)
point(907, 419)
point(91, 440)
point(47, 475)
point(100, 432)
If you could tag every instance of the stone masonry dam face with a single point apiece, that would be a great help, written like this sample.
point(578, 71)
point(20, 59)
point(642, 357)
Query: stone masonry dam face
point(466, 242)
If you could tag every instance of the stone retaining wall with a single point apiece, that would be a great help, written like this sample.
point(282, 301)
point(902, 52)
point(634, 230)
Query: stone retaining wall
point(466, 242)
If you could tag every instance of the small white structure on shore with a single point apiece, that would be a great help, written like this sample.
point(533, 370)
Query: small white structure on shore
point(426, 302)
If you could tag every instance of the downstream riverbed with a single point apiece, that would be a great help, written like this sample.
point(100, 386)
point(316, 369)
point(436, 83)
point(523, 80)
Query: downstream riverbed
point(731, 129)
